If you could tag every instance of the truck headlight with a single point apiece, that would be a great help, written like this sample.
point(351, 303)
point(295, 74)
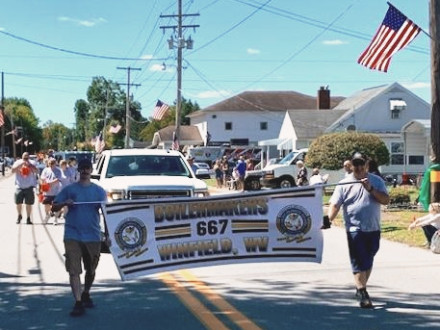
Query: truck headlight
point(269, 172)
point(115, 195)
point(201, 193)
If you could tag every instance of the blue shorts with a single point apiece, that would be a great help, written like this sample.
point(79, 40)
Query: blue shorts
point(362, 246)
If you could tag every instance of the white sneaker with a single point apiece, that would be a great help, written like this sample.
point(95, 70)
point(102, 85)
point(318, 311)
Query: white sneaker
point(55, 222)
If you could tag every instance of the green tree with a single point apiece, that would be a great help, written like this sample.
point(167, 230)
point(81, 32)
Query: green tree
point(21, 116)
point(81, 110)
point(329, 151)
point(57, 136)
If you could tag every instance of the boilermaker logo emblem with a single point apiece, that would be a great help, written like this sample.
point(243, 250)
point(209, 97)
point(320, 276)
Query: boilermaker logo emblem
point(294, 222)
point(131, 236)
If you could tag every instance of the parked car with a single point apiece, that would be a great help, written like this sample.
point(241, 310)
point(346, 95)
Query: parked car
point(202, 171)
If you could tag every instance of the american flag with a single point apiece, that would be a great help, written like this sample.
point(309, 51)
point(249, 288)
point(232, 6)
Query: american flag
point(99, 143)
point(395, 32)
point(160, 110)
point(2, 120)
point(175, 145)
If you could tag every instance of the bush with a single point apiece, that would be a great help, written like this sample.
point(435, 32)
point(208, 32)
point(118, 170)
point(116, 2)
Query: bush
point(399, 195)
point(329, 151)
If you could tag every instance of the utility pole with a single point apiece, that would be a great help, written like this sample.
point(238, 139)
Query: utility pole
point(179, 43)
point(434, 31)
point(127, 104)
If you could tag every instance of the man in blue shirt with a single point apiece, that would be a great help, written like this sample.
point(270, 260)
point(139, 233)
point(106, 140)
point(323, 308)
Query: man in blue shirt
point(82, 233)
point(361, 195)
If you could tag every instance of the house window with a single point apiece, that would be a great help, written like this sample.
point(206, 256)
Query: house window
point(397, 156)
point(416, 160)
point(263, 126)
point(396, 108)
point(228, 126)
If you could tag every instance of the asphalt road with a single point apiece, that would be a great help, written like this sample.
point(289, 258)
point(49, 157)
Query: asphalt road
point(34, 290)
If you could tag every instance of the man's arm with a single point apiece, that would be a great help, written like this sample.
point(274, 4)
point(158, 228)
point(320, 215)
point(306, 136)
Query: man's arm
point(333, 211)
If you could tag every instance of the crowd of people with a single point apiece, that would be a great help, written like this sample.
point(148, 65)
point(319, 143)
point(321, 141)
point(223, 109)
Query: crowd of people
point(45, 175)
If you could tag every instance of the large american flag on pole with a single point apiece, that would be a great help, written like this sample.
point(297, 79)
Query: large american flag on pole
point(160, 110)
point(395, 33)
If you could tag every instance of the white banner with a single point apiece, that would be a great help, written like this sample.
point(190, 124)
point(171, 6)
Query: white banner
point(151, 236)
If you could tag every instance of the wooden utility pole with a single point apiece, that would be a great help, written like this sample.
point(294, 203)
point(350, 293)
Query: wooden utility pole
point(434, 31)
point(127, 105)
point(179, 43)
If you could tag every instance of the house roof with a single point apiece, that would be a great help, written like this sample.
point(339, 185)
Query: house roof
point(360, 98)
point(267, 100)
point(188, 135)
point(310, 124)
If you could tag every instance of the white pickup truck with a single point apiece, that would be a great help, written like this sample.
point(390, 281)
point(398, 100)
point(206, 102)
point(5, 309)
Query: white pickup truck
point(128, 174)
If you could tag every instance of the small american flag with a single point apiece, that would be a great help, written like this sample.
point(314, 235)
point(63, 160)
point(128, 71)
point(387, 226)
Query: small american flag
point(2, 120)
point(99, 143)
point(175, 145)
point(160, 110)
point(395, 33)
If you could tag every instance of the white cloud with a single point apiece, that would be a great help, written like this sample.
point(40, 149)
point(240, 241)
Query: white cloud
point(253, 51)
point(86, 23)
point(335, 42)
point(417, 85)
point(146, 57)
point(156, 67)
point(2, 29)
point(213, 94)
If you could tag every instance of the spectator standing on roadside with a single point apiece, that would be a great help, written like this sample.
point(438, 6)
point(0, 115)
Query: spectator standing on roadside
point(348, 167)
point(373, 168)
point(361, 202)
point(25, 182)
point(218, 173)
point(301, 177)
point(82, 233)
point(240, 169)
point(225, 169)
point(317, 178)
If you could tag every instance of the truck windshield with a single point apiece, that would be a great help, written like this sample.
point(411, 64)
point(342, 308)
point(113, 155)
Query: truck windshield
point(146, 165)
point(288, 159)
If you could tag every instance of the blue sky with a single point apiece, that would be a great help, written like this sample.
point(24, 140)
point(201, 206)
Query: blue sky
point(240, 45)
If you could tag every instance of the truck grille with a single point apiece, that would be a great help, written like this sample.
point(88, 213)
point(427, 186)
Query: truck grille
point(148, 194)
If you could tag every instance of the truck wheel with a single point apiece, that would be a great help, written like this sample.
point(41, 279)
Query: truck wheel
point(253, 184)
point(286, 182)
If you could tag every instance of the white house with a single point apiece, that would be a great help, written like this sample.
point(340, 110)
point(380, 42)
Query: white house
point(253, 116)
point(386, 111)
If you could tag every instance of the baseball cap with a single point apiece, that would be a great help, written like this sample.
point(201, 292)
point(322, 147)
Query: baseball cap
point(85, 163)
point(358, 159)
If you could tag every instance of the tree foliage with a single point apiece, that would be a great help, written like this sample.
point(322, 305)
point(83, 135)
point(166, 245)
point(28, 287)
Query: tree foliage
point(19, 115)
point(329, 151)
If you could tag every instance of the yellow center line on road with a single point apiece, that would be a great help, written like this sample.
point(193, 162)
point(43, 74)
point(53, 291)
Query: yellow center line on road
point(192, 303)
point(230, 311)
